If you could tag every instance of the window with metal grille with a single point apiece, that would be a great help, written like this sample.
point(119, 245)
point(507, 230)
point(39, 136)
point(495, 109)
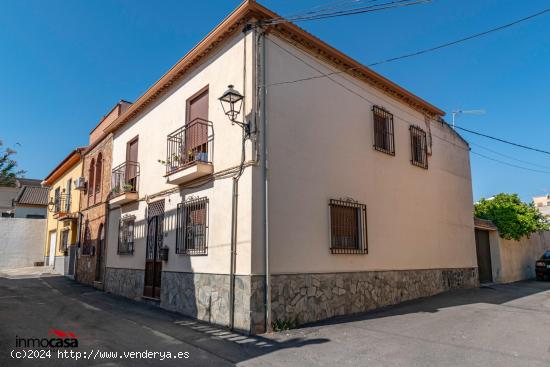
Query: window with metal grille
point(419, 152)
point(348, 227)
point(87, 245)
point(383, 130)
point(126, 236)
point(192, 227)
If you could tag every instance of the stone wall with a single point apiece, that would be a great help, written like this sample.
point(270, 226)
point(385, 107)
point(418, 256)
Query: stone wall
point(124, 282)
point(295, 297)
point(206, 297)
point(311, 297)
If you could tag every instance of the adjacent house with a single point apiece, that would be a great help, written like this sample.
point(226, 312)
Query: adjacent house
point(31, 202)
point(63, 222)
point(543, 204)
point(96, 165)
point(275, 199)
point(26, 194)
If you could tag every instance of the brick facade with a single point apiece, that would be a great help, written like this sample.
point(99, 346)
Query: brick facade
point(93, 206)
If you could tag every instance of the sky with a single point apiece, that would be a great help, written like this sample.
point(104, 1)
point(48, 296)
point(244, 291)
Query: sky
point(64, 64)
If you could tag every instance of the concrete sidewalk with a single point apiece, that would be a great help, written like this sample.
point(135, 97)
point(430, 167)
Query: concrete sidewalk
point(28, 272)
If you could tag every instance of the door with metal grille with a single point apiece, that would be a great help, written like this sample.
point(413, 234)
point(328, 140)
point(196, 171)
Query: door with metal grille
point(483, 250)
point(100, 256)
point(153, 263)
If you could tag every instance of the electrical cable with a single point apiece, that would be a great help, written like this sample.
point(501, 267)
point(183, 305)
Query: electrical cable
point(420, 52)
point(502, 140)
point(361, 10)
point(402, 120)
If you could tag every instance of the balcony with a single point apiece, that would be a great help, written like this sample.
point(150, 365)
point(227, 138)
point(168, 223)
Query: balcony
point(124, 184)
point(62, 206)
point(189, 152)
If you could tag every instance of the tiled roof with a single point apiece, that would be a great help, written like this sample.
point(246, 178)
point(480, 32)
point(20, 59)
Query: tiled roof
point(484, 224)
point(32, 195)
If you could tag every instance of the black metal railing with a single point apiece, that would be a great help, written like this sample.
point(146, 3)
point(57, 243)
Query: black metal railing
point(419, 148)
point(192, 227)
point(383, 130)
point(348, 227)
point(190, 144)
point(62, 203)
point(125, 178)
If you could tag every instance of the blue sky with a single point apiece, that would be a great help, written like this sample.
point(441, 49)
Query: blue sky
point(66, 63)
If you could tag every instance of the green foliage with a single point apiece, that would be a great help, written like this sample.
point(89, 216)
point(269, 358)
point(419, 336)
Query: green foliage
point(513, 218)
point(8, 165)
point(281, 325)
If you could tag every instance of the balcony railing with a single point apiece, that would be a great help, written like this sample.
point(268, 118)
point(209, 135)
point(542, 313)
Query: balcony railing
point(189, 145)
point(125, 178)
point(62, 204)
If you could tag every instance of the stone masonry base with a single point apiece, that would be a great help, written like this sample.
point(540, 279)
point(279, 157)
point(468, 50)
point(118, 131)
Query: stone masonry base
point(307, 298)
point(206, 297)
point(124, 282)
point(300, 298)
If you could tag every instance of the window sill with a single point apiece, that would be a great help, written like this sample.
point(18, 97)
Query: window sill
point(192, 253)
point(348, 251)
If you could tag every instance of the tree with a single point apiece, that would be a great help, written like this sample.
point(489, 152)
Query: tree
point(8, 165)
point(513, 218)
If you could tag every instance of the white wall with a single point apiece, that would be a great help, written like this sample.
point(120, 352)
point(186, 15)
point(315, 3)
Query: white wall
point(321, 148)
point(21, 242)
point(517, 258)
point(152, 126)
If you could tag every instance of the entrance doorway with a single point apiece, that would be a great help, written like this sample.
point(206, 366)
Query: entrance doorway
point(153, 263)
point(483, 250)
point(53, 242)
point(100, 254)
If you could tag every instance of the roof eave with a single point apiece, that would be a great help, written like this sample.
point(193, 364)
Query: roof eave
point(247, 10)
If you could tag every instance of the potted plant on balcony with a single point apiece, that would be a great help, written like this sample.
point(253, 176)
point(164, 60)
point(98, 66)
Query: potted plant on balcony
point(116, 190)
point(127, 187)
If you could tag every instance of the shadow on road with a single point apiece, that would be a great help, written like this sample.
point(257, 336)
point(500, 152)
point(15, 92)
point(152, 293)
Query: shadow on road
point(111, 322)
point(495, 294)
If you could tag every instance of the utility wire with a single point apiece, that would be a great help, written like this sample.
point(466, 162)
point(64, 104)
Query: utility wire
point(397, 118)
point(508, 164)
point(420, 52)
point(503, 141)
point(481, 34)
point(335, 5)
point(365, 9)
point(507, 156)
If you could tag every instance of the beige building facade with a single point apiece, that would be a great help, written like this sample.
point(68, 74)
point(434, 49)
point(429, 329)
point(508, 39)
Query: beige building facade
point(205, 217)
point(63, 221)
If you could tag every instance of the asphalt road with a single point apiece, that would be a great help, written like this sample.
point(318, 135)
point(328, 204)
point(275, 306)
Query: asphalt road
point(504, 325)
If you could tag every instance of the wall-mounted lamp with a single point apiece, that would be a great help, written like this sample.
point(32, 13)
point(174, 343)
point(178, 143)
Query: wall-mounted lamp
point(232, 102)
point(51, 205)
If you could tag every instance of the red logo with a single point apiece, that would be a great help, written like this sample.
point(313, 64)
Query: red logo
point(62, 334)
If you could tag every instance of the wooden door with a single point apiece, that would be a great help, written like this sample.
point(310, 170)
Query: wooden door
point(483, 250)
point(131, 163)
point(100, 254)
point(196, 133)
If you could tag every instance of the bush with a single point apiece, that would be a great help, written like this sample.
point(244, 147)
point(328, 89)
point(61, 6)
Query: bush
point(513, 218)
